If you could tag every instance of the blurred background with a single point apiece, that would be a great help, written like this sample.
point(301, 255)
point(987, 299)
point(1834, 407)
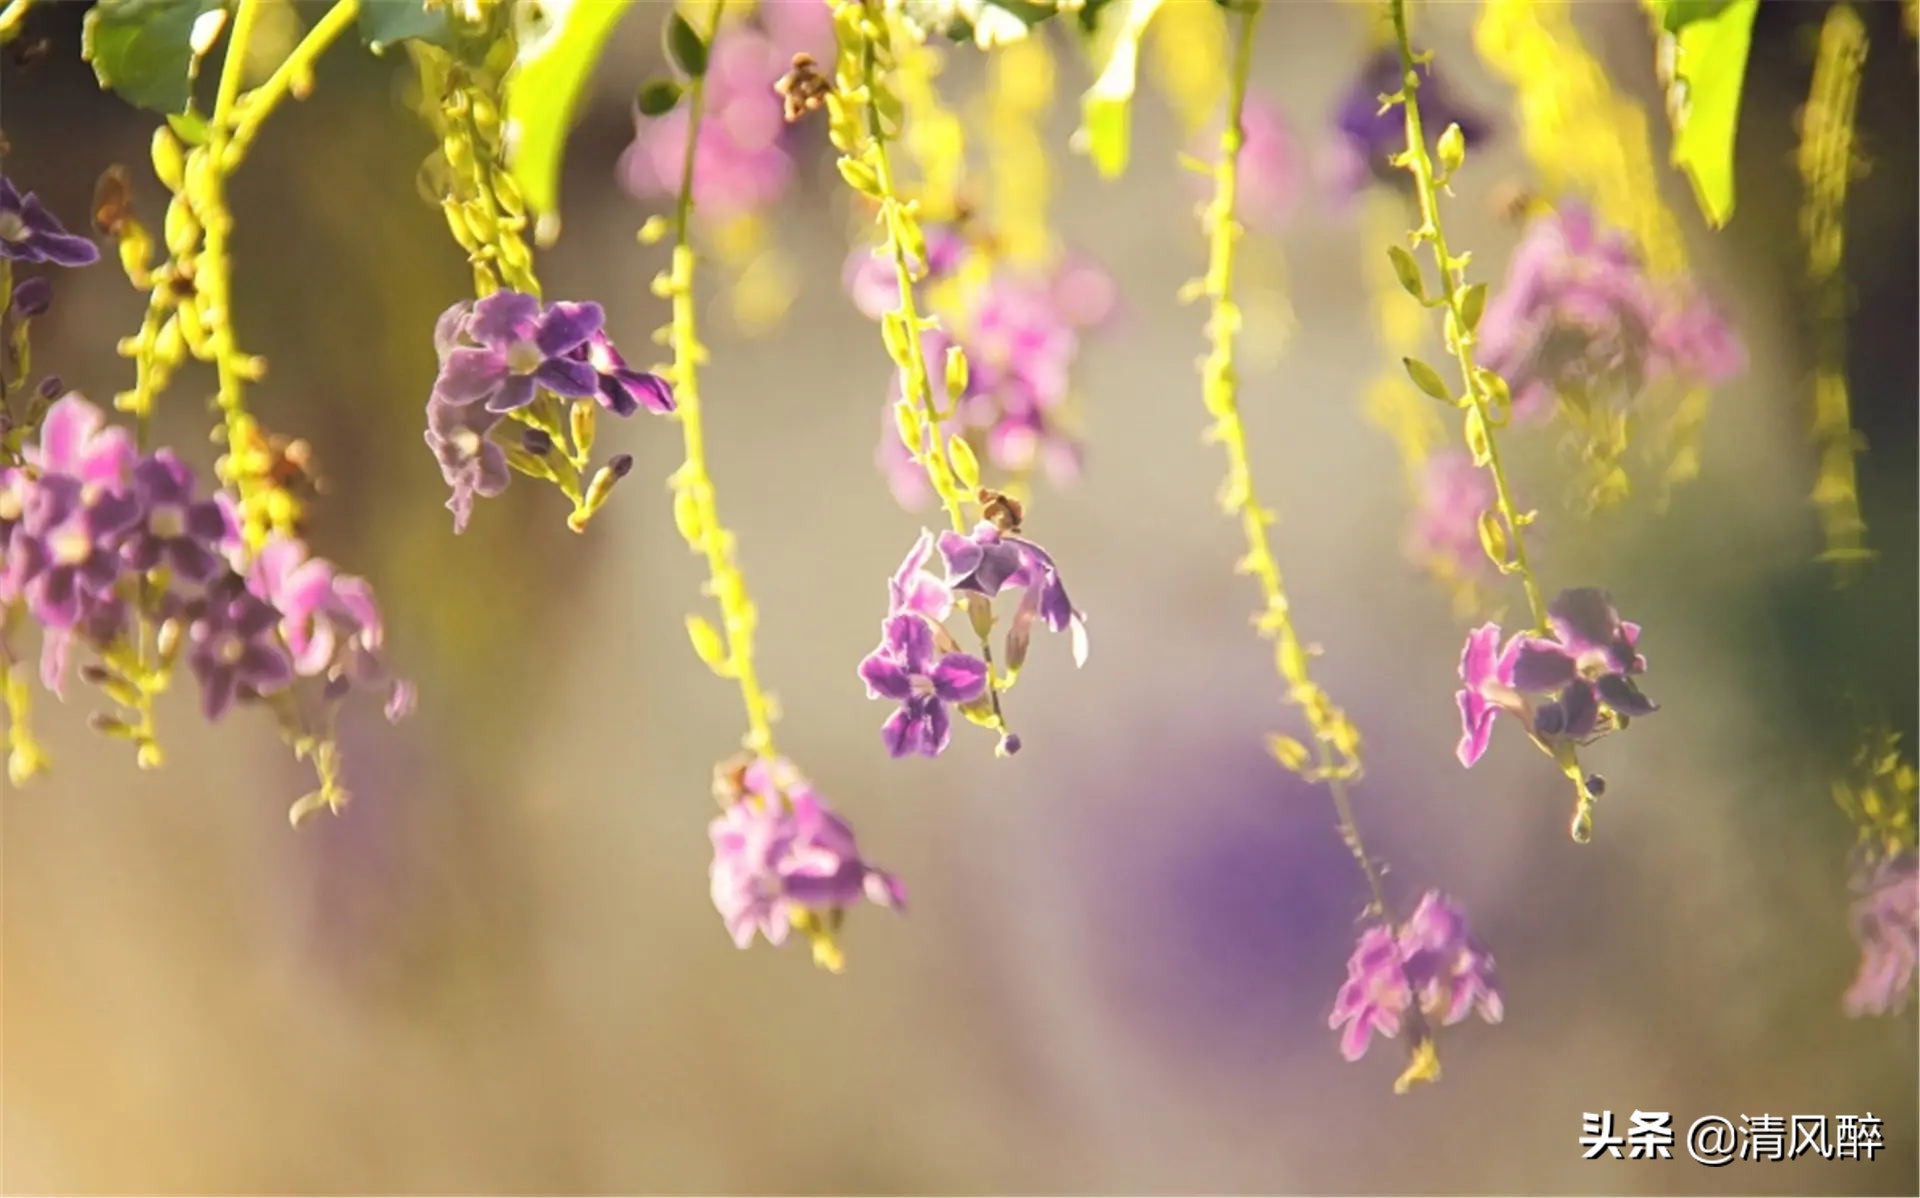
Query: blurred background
point(498, 970)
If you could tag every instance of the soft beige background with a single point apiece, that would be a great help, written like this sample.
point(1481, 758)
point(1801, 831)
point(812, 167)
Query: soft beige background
point(498, 971)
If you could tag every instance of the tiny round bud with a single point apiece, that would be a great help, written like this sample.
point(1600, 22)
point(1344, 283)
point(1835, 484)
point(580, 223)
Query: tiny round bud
point(93, 674)
point(1009, 745)
point(1596, 785)
point(536, 441)
point(621, 465)
point(51, 387)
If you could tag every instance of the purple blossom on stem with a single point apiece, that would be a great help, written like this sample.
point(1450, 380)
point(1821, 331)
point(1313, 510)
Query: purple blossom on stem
point(990, 560)
point(873, 283)
point(29, 233)
point(470, 462)
point(1886, 922)
point(1587, 665)
point(174, 528)
point(76, 440)
point(513, 348)
point(780, 850)
point(64, 553)
point(233, 649)
point(1434, 963)
point(906, 669)
point(623, 390)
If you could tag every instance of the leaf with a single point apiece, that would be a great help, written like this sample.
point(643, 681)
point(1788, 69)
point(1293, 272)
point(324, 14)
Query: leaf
point(1408, 272)
point(144, 50)
point(1106, 108)
point(1427, 379)
point(657, 97)
point(189, 127)
point(542, 93)
point(1708, 67)
point(685, 47)
point(1677, 14)
point(386, 22)
point(1473, 304)
point(707, 643)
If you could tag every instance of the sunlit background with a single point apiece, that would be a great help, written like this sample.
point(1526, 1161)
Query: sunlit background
point(498, 970)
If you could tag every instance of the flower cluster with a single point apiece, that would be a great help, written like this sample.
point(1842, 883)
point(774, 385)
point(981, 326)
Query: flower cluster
point(1368, 135)
point(919, 665)
point(101, 540)
point(496, 356)
point(784, 860)
point(744, 159)
point(1020, 334)
point(1587, 667)
point(1579, 317)
point(1434, 964)
point(1886, 922)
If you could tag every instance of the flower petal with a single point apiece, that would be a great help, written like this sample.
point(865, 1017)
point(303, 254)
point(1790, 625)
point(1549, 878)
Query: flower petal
point(884, 677)
point(503, 318)
point(1540, 665)
point(567, 325)
point(469, 374)
point(959, 678)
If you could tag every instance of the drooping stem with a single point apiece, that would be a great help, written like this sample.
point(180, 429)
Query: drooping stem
point(1478, 383)
point(695, 505)
point(1485, 399)
point(1336, 755)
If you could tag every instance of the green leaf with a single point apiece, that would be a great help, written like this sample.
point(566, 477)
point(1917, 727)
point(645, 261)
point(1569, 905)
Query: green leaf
point(189, 127)
point(144, 50)
point(685, 47)
point(1105, 109)
point(657, 97)
point(542, 93)
point(386, 22)
point(1427, 379)
point(1408, 272)
point(1676, 15)
point(1709, 67)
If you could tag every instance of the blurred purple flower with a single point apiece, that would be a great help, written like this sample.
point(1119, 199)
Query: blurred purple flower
point(1578, 316)
point(64, 553)
point(1434, 961)
point(31, 298)
point(233, 649)
point(515, 348)
point(470, 462)
point(75, 440)
point(873, 283)
point(1446, 522)
point(1886, 922)
point(779, 849)
point(744, 161)
point(913, 590)
point(906, 669)
point(29, 233)
point(1269, 165)
point(174, 527)
point(1375, 996)
point(1366, 137)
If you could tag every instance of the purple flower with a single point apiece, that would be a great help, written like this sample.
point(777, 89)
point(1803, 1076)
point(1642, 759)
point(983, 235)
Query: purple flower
point(1587, 665)
point(989, 560)
point(469, 460)
point(913, 590)
point(515, 349)
point(779, 850)
point(1487, 677)
point(1450, 970)
point(1886, 922)
point(1368, 137)
point(30, 299)
point(173, 526)
point(1578, 316)
point(64, 553)
point(29, 233)
point(623, 390)
point(233, 649)
point(906, 669)
point(1446, 523)
point(1375, 996)
point(75, 440)
point(1434, 962)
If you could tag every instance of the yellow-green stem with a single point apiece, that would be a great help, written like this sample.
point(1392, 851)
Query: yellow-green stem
point(1337, 743)
point(710, 537)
